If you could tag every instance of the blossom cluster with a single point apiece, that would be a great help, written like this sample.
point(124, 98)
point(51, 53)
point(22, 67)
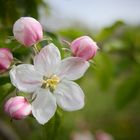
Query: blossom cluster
point(49, 81)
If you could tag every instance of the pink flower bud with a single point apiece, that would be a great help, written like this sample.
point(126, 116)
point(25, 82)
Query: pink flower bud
point(6, 58)
point(84, 47)
point(17, 107)
point(27, 31)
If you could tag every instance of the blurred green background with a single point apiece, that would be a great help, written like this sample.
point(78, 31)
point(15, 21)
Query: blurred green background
point(111, 85)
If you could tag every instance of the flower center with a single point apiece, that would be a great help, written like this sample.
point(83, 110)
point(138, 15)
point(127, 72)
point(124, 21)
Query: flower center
point(51, 82)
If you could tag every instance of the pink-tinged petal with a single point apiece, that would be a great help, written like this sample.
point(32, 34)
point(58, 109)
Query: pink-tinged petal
point(44, 106)
point(4, 64)
point(22, 112)
point(69, 96)
point(26, 78)
point(13, 102)
point(84, 47)
point(17, 107)
point(6, 58)
point(5, 53)
point(47, 60)
point(72, 68)
point(27, 31)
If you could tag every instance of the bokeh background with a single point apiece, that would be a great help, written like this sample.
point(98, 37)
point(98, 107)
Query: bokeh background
point(112, 83)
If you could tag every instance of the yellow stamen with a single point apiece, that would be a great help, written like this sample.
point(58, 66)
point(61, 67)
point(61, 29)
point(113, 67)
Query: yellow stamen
point(51, 82)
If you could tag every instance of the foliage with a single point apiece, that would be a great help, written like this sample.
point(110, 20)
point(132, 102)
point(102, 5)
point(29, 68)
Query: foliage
point(111, 85)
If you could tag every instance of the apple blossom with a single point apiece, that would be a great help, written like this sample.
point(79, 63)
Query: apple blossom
point(17, 107)
point(27, 31)
point(6, 58)
point(50, 81)
point(84, 47)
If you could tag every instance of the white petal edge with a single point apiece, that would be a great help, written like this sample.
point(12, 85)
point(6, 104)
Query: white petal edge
point(47, 60)
point(44, 106)
point(25, 78)
point(69, 96)
point(72, 68)
point(12, 74)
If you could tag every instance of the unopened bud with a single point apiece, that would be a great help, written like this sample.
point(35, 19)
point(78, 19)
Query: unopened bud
point(84, 47)
point(6, 58)
point(17, 107)
point(27, 31)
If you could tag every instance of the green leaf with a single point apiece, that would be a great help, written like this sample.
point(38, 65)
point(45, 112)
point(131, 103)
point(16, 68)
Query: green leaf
point(71, 33)
point(4, 80)
point(108, 32)
point(5, 90)
point(104, 70)
point(127, 91)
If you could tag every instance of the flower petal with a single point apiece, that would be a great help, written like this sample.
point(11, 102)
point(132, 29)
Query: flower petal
point(44, 106)
point(47, 59)
point(25, 78)
point(69, 96)
point(72, 68)
point(13, 76)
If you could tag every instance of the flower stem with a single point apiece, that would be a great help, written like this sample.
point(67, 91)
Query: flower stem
point(52, 127)
point(66, 42)
point(48, 39)
point(17, 61)
point(35, 48)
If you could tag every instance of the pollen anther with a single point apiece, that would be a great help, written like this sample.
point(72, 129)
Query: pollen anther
point(51, 82)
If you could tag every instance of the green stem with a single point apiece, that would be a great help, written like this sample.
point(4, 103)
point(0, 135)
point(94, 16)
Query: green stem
point(66, 42)
point(48, 39)
point(17, 61)
point(52, 127)
point(35, 48)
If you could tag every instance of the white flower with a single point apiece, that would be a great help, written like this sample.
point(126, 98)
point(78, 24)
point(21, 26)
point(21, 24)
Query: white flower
point(49, 79)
